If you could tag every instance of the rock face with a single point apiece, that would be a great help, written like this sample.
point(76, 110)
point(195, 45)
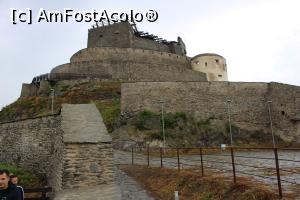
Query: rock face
point(71, 150)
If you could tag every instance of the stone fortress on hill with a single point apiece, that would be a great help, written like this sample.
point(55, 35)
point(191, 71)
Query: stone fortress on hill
point(152, 69)
point(119, 52)
point(73, 148)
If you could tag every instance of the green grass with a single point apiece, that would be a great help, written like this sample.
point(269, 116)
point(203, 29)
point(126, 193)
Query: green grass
point(110, 112)
point(143, 117)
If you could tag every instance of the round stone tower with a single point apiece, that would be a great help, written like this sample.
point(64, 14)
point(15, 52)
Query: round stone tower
point(212, 64)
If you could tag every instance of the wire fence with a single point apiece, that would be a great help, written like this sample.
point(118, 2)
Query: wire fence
point(275, 166)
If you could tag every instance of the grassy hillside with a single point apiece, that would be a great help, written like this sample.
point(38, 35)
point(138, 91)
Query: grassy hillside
point(106, 96)
point(184, 130)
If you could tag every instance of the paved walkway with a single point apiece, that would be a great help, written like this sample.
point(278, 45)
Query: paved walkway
point(103, 192)
point(125, 189)
point(130, 189)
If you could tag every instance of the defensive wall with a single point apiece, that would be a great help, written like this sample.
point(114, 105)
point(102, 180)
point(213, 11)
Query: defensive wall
point(204, 100)
point(71, 149)
point(117, 64)
point(126, 64)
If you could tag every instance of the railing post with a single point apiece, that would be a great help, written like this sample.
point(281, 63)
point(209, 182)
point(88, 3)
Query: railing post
point(178, 161)
point(132, 155)
point(233, 165)
point(278, 173)
point(201, 157)
point(148, 155)
point(161, 157)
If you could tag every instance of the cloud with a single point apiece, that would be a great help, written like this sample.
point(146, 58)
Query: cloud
point(252, 38)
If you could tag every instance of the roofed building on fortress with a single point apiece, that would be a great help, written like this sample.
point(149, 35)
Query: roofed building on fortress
point(120, 52)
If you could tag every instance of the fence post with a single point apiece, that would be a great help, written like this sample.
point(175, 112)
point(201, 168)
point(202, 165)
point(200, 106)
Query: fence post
point(148, 155)
point(161, 158)
point(202, 170)
point(132, 155)
point(278, 173)
point(233, 165)
point(178, 161)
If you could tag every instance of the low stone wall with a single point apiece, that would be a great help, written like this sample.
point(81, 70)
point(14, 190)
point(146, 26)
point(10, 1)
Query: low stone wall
point(248, 107)
point(33, 144)
point(29, 90)
point(71, 150)
point(88, 156)
point(88, 165)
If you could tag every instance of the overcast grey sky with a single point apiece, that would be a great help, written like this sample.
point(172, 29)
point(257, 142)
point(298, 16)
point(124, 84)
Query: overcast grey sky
point(259, 39)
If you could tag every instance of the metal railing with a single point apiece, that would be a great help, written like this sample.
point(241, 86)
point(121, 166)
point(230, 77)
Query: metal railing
point(274, 166)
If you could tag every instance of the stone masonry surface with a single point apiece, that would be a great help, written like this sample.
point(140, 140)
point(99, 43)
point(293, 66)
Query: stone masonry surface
point(71, 150)
point(33, 144)
point(204, 100)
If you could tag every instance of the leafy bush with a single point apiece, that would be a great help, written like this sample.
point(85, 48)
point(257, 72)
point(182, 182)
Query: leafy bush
point(142, 117)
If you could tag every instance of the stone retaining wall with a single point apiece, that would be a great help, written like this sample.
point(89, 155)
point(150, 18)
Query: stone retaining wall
point(71, 150)
point(248, 107)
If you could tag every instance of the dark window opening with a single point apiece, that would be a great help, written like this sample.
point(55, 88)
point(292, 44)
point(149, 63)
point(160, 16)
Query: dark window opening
point(205, 64)
point(219, 75)
point(217, 61)
point(282, 113)
point(100, 35)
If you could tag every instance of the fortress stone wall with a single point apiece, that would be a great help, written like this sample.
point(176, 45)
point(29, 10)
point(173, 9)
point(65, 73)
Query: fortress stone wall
point(249, 107)
point(213, 65)
point(123, 35)
point(71, 150)
point(131, 65)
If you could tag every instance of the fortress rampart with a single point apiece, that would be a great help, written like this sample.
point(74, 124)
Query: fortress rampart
point(130, 54)
point(119, 52)
point(127, 64)
point(204, 100)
